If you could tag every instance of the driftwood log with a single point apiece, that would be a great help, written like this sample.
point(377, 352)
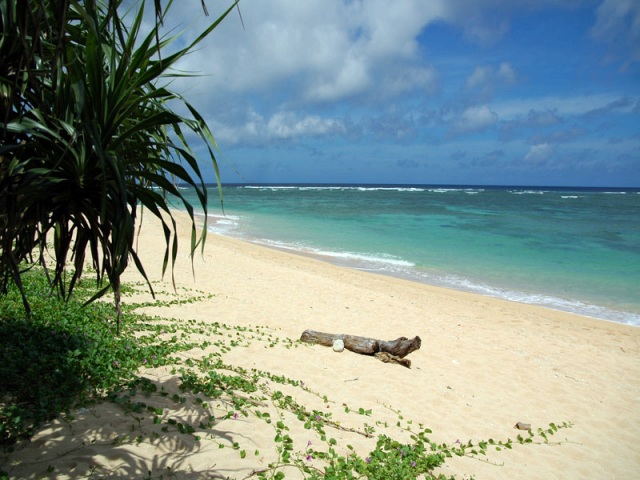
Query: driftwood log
point(392, 351)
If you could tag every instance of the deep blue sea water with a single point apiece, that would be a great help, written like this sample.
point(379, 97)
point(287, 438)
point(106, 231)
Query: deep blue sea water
point(573, 249)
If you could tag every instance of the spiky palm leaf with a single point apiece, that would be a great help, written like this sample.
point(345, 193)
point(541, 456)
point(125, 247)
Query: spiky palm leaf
point(92, 139)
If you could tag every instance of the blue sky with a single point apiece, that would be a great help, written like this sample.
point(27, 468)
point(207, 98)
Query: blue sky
point(495, 92)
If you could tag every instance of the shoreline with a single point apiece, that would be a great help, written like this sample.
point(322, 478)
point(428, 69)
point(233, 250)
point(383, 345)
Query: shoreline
point(634, 321)
point(484, 365)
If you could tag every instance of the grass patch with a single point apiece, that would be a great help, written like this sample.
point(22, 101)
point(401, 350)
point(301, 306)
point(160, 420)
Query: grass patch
point(65, 356)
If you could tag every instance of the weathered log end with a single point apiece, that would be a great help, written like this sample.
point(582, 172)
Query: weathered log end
point(401, 347)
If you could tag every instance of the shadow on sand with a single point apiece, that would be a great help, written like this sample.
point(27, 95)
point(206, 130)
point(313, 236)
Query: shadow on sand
point(150, 429)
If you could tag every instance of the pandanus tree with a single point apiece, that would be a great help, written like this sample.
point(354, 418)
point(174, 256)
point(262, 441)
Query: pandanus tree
point(90, 135)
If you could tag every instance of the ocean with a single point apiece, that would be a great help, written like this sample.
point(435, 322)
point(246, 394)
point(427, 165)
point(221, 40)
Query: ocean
point(571, 249)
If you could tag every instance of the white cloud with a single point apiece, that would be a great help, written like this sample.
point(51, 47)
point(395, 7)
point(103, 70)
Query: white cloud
point(475, 119)
point(611, 17)
point(480, 76)
point(487, 33)
point(281, 125)
point(538, 154)
point(485, 79)
point(329, 50)
point(541, 118)
point(353, 77)
point(365, 71)
point(618, 21)
point(407, 78)
point(560, 106)
point(506, 73)
point(323, 50)
point(485, 22)
point(287, 125)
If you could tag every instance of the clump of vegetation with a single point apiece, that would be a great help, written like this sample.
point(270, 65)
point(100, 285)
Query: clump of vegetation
point(90, 134)
point(67, 357)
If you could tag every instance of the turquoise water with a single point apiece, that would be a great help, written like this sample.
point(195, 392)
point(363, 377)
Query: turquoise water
point(570, 249)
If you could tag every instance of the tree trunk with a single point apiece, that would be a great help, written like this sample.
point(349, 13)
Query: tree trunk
point(399, 348)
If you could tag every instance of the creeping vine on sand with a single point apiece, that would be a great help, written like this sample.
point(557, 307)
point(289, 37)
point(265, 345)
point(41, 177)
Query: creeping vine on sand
point(91, 365)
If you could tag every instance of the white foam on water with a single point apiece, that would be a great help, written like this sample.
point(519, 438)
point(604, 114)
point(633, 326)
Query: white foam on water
point(364, 188)
point(527, 192)
point(387, 189)
point(548, 301)
point(224, 224)
point(352, 259)
point(332, 187)
point(393, 266)
point(397, 267)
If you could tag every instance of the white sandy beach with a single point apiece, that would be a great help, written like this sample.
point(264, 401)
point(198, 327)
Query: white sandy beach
point(484, 365)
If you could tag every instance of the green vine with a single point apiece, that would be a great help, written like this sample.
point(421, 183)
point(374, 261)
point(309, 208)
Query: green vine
point(92, 365)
